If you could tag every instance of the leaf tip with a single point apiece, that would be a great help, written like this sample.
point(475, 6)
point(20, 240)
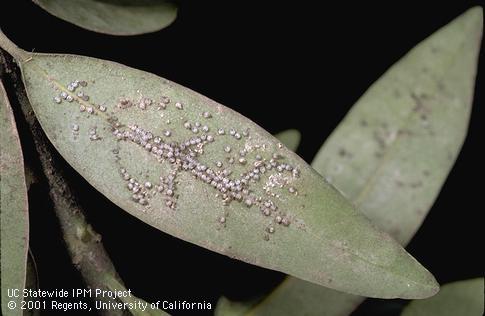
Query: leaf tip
point(422, 285)
point(473, 17)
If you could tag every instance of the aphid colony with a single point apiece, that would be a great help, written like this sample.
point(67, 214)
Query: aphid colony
point(183, 157)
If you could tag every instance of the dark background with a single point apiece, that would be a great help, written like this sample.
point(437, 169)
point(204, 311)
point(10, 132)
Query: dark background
point(279, 65)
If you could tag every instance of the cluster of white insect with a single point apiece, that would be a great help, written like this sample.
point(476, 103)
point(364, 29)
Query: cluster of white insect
point(69, 95)
point(183, 156)
point(74, 93)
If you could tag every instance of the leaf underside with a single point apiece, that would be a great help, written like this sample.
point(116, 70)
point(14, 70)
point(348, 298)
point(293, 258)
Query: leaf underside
point(13, 208)
point(116, 17)
point(393, 151)
point(203, 173)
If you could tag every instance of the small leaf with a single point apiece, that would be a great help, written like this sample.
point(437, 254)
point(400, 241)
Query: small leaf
point(13, 209)
point(391, 155)
point(226, 307)
point(116, 17)
point(464, 298)
point(290, 138)
point(159, 151)
point(138, 307)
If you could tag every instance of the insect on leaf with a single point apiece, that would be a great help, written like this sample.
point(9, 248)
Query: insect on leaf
point(116, 17)
point(13, 209)
point(393, 151)
point(199, 171)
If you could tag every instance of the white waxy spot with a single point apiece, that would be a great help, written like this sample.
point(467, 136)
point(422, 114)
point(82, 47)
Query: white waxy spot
point(179, 106)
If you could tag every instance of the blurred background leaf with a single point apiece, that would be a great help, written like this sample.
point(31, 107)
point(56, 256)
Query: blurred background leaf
point(463, 298)
point(290, 138)
point(115, 17)
point(393, 151)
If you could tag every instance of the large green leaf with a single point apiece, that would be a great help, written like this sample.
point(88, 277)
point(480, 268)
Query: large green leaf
point(393, 151)
point(464, 298)
point(117, 17)
point(290, 138)
point(159, 151)
point(13, 210)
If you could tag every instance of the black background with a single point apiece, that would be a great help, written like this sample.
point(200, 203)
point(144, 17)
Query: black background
point(297, 65)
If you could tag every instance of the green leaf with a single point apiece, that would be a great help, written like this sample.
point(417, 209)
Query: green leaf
point(464, 298)
point(290, 138)
point(137, 306)
point(393, 151)
point(116, 17)
point(13, 209)
point(283, 217)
